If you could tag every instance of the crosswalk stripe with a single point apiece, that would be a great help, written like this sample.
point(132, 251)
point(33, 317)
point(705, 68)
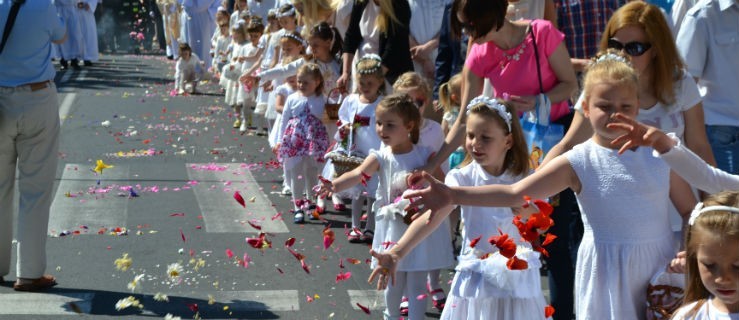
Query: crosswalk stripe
point(373, 299)
point(69, 212)
point(220, 211)
point(45, 304)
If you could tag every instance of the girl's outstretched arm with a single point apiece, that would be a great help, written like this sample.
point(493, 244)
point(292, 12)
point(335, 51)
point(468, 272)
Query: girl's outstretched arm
point(550, 180)
point(351, 178)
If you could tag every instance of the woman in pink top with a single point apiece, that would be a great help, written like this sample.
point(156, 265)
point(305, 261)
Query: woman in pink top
point(503, 51)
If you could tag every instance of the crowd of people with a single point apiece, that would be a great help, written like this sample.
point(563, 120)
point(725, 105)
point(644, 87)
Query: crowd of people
point(419, 114)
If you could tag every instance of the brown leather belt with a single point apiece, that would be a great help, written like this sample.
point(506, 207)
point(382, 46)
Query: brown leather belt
point(36, 86)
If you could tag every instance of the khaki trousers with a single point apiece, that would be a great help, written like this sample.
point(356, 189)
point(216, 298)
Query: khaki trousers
point(29, 140)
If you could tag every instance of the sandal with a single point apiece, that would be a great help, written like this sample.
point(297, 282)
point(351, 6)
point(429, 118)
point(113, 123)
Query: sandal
point(354, 236)
point(438, 303)
point(46, 281)
point(299, 215)
point(367, 236)
point(404, 307)
point(312, 212)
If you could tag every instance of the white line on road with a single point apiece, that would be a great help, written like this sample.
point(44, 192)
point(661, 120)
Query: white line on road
point(45, 303)
point(66, 105)
point(373, 299)
point(101, 209)
point(220, 211)
point(259, 300)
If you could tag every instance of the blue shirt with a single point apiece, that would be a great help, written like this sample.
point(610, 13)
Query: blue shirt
point(27, 55)
point(709, 41)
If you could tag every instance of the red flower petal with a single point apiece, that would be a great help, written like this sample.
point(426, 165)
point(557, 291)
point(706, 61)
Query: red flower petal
point(515, 263)
point(229, 253)
point(183, 236)
point(343, 276)
point(305, 266)
point(239, 199)
point(548, 311)
point(548, 239)
point(254, 224)
point(474, 241)
point(365, 309)
point(289, 242)
point(328, 237)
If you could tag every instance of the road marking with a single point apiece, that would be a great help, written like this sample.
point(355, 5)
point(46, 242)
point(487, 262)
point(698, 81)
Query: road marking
point(56, 303)
point(259, 300)
point(373, 299)
point(66, 105)
point(216, 184)
point(99, 206)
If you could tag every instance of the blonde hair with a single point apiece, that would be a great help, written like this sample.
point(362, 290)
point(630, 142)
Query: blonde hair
point(402, 105)
point(387, 14)
point(721, 223)
point(449, 88)
point(412, 80)
point(314, 71)
point(610, 66)
point(667, 65)
point(313, 12)
point(517, 157)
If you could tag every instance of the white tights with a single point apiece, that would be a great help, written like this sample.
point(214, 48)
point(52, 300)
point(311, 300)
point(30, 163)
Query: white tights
point(412, 283)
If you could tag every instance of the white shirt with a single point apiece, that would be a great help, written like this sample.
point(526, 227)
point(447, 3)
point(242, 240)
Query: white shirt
point(697, 172)
point(709, 41)
point(707, 311)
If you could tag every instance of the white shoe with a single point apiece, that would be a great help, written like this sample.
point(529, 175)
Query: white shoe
point(286, 191)
point(243, 126)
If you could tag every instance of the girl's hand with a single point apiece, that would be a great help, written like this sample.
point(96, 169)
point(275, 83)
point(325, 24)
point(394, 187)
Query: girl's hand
point(638, 134)
point(276, 148)
point(523, 103)
point(677, 265)
point(343, 80)
point(432, 198)
point(241, 59)
point(387, 263)
point(326, 188)
point(247, 79)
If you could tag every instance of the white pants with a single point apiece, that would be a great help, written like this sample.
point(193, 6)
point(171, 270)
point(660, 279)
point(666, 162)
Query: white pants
point(29, 138)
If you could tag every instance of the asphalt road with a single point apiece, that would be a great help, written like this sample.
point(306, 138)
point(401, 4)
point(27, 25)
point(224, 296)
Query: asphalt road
point(169, 198)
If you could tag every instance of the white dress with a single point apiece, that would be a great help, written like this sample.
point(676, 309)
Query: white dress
point(187, 71)
point(247, 94)
point(364, 138)
point(707, 311)
point(431, 136)
point(671, 118)
point(232, 86)
point(487, 289)
point(425, 24)
point(89, 31)
point(74, 46)
point(434, 252)
point(627, 236)
point(284, 90)
point(199, 25)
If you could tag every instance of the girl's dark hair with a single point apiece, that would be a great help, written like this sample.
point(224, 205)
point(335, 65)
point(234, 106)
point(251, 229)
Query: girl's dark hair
point(315, 71)
point(481, 15)
point(403, 105)
point(255, 25)
point(324, 31)
point(184, 46)
point(517, 157)
point(285, 8)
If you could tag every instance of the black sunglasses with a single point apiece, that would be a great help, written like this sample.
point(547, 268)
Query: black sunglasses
point(633, 48)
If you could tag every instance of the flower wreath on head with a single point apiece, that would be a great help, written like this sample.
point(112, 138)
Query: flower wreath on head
point(492, 104)
point(372, 57)
point(611, 57)
point(296, 38)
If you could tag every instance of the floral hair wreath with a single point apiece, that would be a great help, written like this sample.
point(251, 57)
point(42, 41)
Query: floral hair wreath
point(239, 24)
point(372, 57)
point(288, 13)
point(494, 105)
point(612, 57)
point(296, 38)
point(699, 209)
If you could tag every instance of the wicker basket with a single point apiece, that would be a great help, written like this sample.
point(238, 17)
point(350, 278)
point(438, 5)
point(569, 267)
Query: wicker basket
point(332, 109)
point(343, 163)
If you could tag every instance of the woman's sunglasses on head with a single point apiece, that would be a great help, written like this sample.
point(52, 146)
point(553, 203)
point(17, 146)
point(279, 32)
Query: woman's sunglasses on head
point(633, 48)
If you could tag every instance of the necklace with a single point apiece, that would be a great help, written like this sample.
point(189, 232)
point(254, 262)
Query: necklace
point(513, 57)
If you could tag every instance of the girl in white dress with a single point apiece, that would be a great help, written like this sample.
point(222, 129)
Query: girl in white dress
point(397, 120)
point(232, 69)
point(432, 137)
point(623, 200)
point(486, 288)
point(357, 137)
point(250, 54)
point(188, 70)
point(712, 244)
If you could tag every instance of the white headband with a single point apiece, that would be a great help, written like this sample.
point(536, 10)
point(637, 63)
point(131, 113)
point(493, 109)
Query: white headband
point(494, 105)
point(699, 209)
point(288, 13)
point(612, 56)
point(372, 57)
point(295, 37)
